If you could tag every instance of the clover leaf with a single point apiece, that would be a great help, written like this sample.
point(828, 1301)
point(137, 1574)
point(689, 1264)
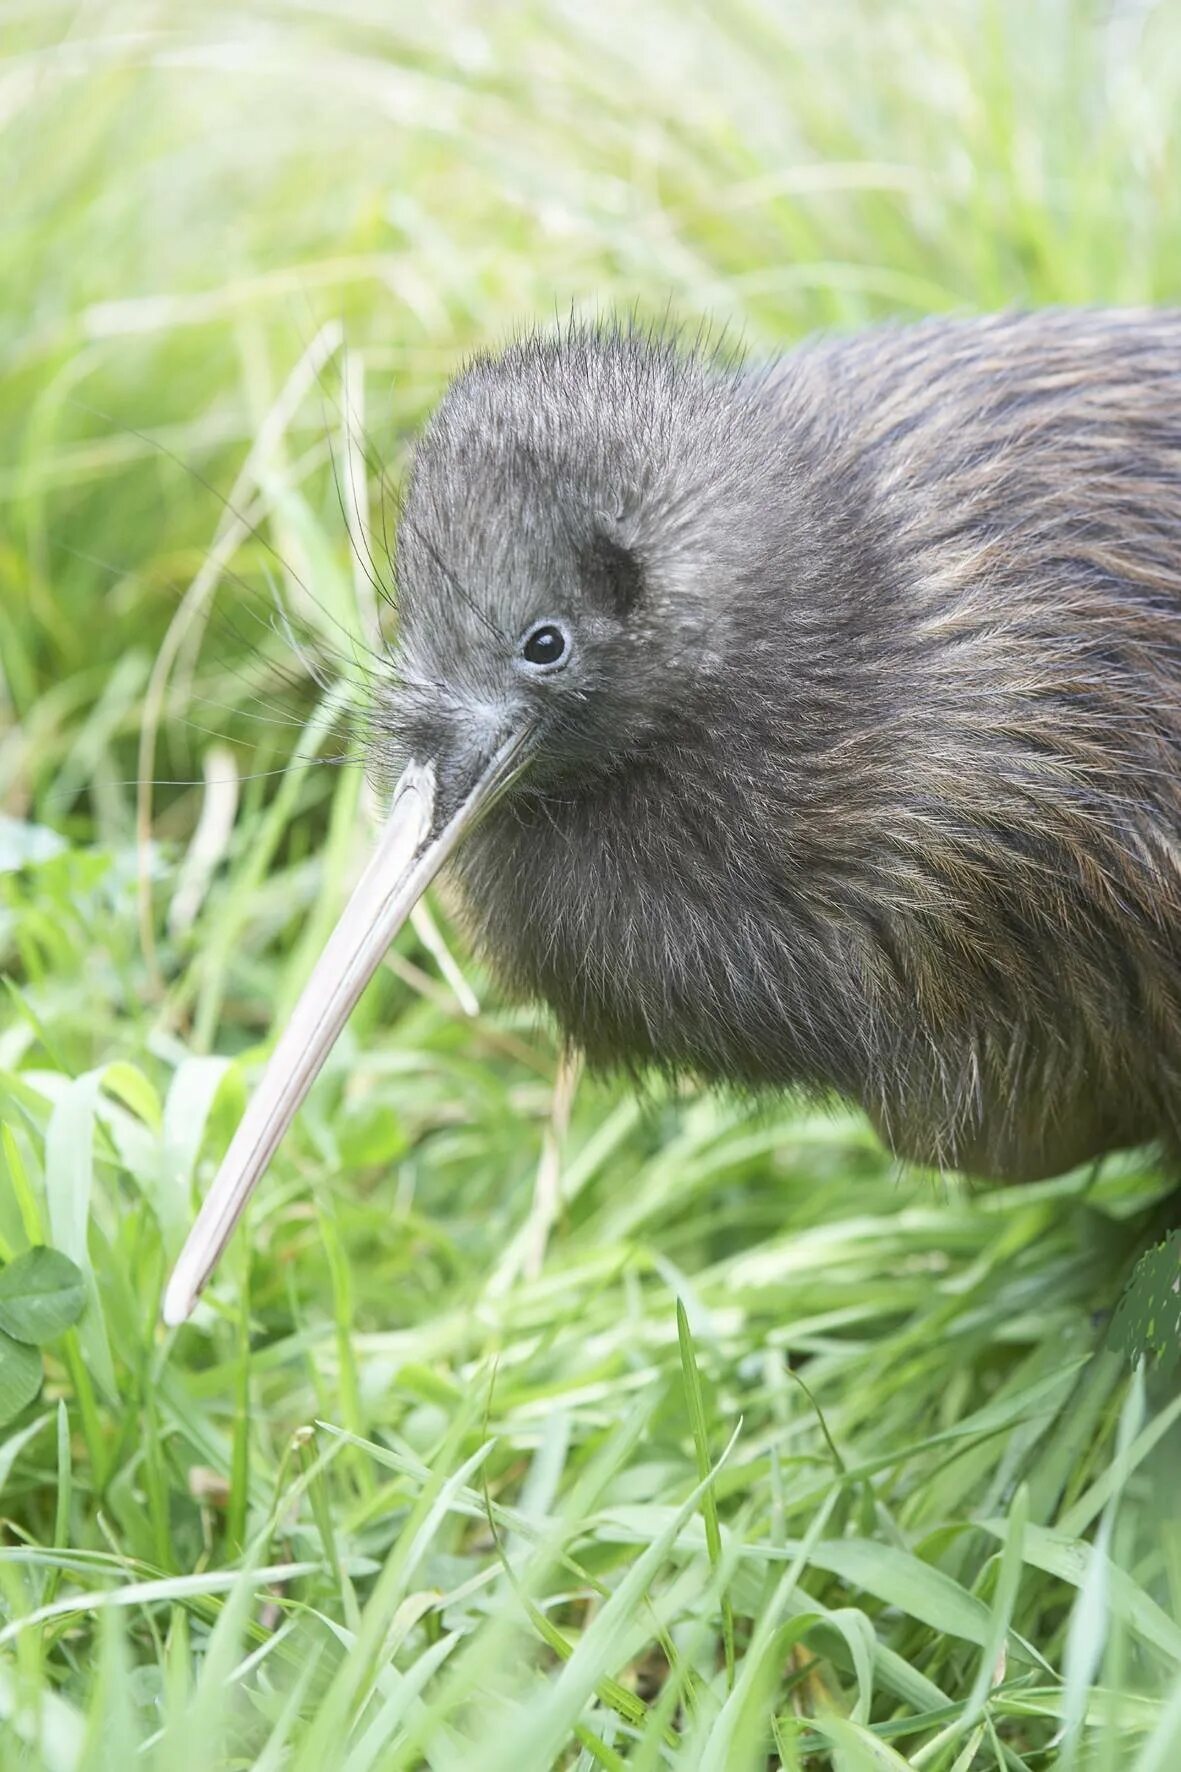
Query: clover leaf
point(41, 1294)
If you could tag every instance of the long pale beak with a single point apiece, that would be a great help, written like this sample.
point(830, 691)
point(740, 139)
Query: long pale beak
point(418, 837)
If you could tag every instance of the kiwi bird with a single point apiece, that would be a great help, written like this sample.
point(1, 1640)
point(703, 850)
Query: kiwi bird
point(812, 724)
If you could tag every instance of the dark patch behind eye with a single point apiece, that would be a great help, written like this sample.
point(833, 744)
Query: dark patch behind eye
point(612, 574)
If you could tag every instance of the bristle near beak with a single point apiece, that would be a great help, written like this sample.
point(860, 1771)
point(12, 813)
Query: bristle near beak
point(417, 839)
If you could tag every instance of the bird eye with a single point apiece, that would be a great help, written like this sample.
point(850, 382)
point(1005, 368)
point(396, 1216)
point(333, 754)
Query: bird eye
point(545, 646)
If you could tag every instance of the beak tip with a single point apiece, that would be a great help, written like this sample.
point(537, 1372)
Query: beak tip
point(179, 1300)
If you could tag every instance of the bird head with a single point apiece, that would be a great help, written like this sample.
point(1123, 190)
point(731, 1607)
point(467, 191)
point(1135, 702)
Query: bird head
point(575, 509)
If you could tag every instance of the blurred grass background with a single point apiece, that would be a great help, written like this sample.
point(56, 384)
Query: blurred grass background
point(423, 1484)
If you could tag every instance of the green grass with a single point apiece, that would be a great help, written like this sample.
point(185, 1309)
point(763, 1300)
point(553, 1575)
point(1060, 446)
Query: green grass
point(749, 1450)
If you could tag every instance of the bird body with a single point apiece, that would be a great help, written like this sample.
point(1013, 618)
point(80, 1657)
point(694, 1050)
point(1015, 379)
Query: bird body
point(816, 723)
point(898, 814)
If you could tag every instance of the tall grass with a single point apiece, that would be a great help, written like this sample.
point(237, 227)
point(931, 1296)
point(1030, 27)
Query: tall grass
point(690, 1435)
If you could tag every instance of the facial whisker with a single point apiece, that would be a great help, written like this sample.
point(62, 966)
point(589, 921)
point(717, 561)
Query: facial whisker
point(454, 580)
point(250, 528)
point(363, 553)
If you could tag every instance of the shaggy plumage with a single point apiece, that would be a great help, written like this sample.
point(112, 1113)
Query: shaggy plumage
point(862, 773)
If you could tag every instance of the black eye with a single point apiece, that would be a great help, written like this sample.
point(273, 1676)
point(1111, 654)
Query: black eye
point(545, 645)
